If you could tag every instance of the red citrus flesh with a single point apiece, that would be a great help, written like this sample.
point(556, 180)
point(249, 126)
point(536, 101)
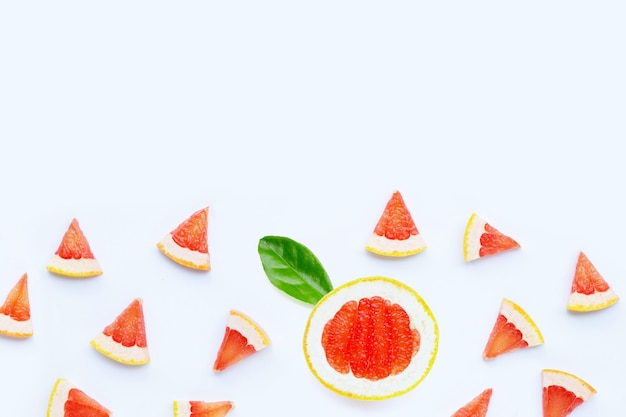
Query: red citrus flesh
point(79, 404)
point(234, 348)
point(477, 407)
point(192, 233)
point(503, 338)
point(74, 245)
point(396, 221)
point(493, 241)
point(587, 279)
point(372, 338)
point(129, 327)
point(17, 305)
point(558, 401)
point(212, 409)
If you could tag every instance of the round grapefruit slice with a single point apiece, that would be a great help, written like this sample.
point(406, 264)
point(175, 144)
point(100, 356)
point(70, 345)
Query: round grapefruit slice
point(73, 257)
point(477, 407)
point(481, 239)
point(242, 338)
point(514, 329)
point(124, 340)
point(395, 233)
point(371, 339)
point(590, 292)
point(202, 408)
point(563, 392)
point(188, 243)
point(68, 401)
point(15, 312)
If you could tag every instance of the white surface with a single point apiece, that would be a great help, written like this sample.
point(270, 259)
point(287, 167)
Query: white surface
point(300, 120)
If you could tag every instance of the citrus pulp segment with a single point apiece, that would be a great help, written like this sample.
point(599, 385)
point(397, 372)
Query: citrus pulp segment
point(68, 401)
point(371, 339)
point(513, 329)
point(188, 243)
point(562, 392)
point(477, 407)
point(395, 233)
point(589, 292)
point(124, 340)
point(242, 338)
point(481, 239)
point(73, 257)
point(15, 318)
point(202, 408)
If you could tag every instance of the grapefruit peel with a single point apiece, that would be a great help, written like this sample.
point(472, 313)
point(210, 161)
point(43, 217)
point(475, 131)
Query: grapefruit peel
point(346, 384)
point(477, 407)
point(202, 408)
point(481, 239)
point(589, 291)
point(562, 392)
point(15, 320)
point(68, 401)
point(73, 258)
point(243, 337)
point(395, 233)
point(187, 244)
point(513, 330)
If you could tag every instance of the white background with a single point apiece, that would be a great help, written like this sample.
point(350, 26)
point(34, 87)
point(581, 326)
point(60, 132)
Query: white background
point(300, 119)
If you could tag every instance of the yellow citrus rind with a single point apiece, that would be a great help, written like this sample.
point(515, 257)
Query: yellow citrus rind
point(128, 355)
point(522, 321)
point(184, 256)
point(592, 302)
point(569, 381)
point(75, 268)
point(217, 408)
point(359, 388)
point(15, 328)
point(381, 245)
point(58, 397)
point(256, 336)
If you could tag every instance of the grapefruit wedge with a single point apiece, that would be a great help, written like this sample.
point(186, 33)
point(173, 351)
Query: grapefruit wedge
point(188, 244)
point(590, 292)
point(242, 338)
point(481, 239)
point(395, 233)
point(514, 329)
point(371, 339)
point(15, 312)
point(73, 257)
point(477, 407)
point(563, 392)
point(68, 401)
point(202, 408)
point(124, 340)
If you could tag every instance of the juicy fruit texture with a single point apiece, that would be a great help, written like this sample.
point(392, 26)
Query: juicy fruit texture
point(188, 243)
point(202, 408)
point(371, 339)
point(242, 338)
point(15, 318)
point(514, 329)
point(477, 407)
point(68, 401)
point(395, 233)
point(74, 258)
point(481, 239)
point(563, 392)
point(589, 292)
point(124, 340)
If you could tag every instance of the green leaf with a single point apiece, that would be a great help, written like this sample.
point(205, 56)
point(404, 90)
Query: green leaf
point(294, 269)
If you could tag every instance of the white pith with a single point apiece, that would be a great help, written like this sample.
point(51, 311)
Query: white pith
point(471, 244)
point(248, 329)
point(131, 355)
point(347, 384)
point(568, 381)
point(188, 257)
point(182, 409)
point(84, 267)
point(522, 321)
point(11, 327)
point(394, 247)
point(59, 394)
point(595, 301)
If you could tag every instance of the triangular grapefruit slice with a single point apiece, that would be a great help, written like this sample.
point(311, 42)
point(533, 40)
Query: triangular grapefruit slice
point(202, 408)
point(242, 338)
point(124, 340)
point(188, 244)
point(15, 312)
point(395, 233)
point(589, 292)
point(371, 338)
point(514, 329)
point(481, 239)
point(563, 392)
point(73, 257)
point(477, 407)
point(68, 401)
